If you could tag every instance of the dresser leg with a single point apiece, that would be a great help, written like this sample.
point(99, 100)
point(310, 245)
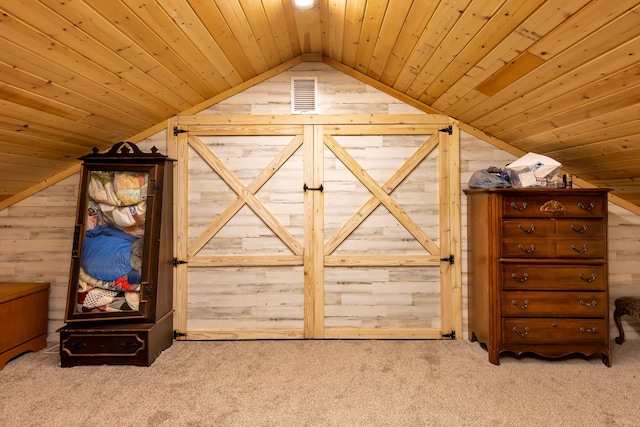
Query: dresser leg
point(494, 357)
point(606, 360)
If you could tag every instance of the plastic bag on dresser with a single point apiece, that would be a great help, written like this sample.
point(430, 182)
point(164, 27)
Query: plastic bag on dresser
point(491, 177)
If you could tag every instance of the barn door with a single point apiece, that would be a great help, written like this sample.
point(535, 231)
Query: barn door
point(307, 227)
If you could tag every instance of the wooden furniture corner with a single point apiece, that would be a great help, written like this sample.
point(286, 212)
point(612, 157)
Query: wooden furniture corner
point(24, 311)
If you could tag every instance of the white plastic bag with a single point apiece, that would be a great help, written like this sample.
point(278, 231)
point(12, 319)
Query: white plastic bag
point(534, 170)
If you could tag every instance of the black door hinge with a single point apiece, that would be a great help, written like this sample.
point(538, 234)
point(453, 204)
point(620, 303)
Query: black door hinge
point(449, 259)
point(177, 334)
point(177, 262)
point(451, 335)
point(176, 131)
point(448, 129)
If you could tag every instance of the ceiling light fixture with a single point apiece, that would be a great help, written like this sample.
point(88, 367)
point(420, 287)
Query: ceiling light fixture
point(304, 4)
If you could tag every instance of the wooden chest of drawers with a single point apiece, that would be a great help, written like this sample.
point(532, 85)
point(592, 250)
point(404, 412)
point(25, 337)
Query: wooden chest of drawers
point(24, 309)
point(538, 271)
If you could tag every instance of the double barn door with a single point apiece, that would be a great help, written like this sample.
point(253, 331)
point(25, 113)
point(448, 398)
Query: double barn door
point(316, 226)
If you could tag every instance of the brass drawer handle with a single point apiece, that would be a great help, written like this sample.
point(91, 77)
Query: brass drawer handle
point(593, 303)
point(523, 207)
point(526, 331)
point(531, 229)
point(592, 330)
point(593, 277)
point(589, 208)
point(521, 307)
point(584, 248)
point(527, 251)
point(525, 277)
point(581, 230)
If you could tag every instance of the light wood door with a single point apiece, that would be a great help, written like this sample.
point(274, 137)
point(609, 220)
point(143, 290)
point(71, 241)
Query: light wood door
point(316, 227)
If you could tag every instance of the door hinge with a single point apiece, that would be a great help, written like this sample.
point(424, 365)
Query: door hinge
point(177, 334)
point(176, 131)
point(450, 259)
point(451, 335)
point(448, 129)
point(177, 262)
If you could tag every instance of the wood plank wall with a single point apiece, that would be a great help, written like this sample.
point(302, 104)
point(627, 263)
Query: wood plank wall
point(36, 234)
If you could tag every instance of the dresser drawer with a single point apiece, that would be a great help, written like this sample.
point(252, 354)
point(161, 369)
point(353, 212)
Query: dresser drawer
point(530, 227)
point(528, 247)
point(548, 206)
point(581, 248)
point(518, 276)
point(120, 344)
point(550, 247)
point(580, 227)
point(550, 303)
point(554, 331)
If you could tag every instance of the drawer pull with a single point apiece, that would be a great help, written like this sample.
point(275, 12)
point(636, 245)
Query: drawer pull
point(593, 277)
point(521, 307)
point(77, 345)
point(589, 304)
point(530, 230)
point(593, 330)
point(128, 344)
point(526, 331)
point(584, 248)
point(581, 230)
point(527, 251)
point(525, 277)
point(523, 207)
point(589, 208)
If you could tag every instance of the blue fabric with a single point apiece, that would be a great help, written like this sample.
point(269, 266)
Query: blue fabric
point(106, 253)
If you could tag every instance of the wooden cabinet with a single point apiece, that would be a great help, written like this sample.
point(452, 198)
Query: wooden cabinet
point(23, 318)
point(538, 271)
point(120, 298)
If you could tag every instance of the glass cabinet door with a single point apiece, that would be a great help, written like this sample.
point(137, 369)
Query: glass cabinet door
point(108, 260)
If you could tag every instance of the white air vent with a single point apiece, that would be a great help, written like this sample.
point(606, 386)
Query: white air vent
point(304, 95)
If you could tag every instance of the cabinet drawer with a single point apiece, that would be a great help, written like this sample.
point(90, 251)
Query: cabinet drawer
point(549, 303)
point(554, 331)
point(550, 247)
point(580, 227)
point(580, 248)
point(125, 344)
point(560, 277)
point(548, 206)
point(532, 227)
point(528, 247)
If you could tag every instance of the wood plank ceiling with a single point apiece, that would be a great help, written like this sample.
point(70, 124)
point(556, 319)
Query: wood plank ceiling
point(558, 78)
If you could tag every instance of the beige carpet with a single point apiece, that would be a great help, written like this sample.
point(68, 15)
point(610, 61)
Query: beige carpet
point(325, 383)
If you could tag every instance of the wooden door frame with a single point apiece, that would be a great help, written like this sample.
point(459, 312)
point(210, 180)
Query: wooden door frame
point(314, 259)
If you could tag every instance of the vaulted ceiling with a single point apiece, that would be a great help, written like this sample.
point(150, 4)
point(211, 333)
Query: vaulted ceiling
point(558, 78)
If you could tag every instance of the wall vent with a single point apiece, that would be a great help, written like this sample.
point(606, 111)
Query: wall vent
point(304, 95)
